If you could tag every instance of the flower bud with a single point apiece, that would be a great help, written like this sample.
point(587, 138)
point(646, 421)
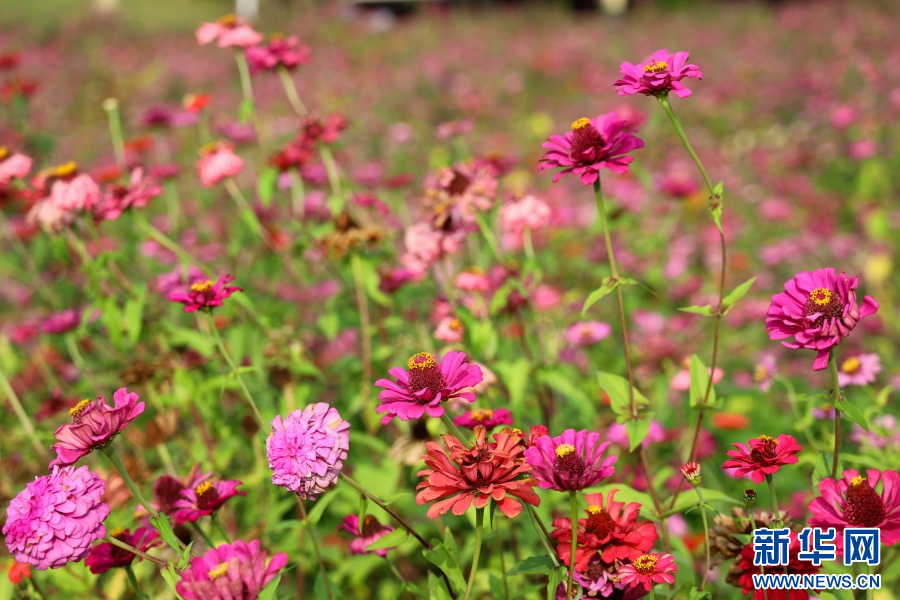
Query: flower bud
point(749, 498)
point(691, 472)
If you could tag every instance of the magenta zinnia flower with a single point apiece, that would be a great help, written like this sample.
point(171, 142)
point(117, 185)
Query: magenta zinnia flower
point(649, 569)
point(62, 322)
point(486, 417)
point(205, 295)
point(571, 461)
point(426, 386)
point(307, 449)
point(119, 198)
point(204, 499)
point(591, 145)
point(860, 369)
point(764, 456)
point(855, 502)
point(94, 425)
point(105, 556)
point(372, 531)
point(280, 52)
point(230, 571)
point(56, 518)
point(818, 310)
point(660, 74)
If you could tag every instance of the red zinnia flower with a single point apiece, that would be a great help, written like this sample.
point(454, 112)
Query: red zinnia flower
point(764, 456)
point(742, 572)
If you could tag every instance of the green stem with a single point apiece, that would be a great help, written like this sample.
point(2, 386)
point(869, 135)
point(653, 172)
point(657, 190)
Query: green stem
point(378, 502)
point(479, 530)
point(489, 236)
point(776, 518)
point(167, 243)
point(234, 370)
point(365, 332)
point(334, 177)
point(705, 537)
point(502, 565)
point(454, 430)
point(241, 201)
point(528, 244)
point(870, 592)
point(539, 528)
point(133, 550)
point(116, 460)
point(652, 593)
point(199, 530)
point(667, 108)
point(111, 106)
point(134, 582)
point(24, 420)
point(290, 90)
point(573, 502)
point(836, 397)
point(217, 523)
point(315, 545)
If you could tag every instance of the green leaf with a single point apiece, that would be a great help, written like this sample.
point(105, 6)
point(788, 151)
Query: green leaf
point(437, 590)
point(852, 413)
point(185, 557)
point(617, 388)
point(627, 494)
point(391, 540)
point(637, 430)
point(265, 185)
point(556, 577)
point(822, 469)
point(361, 517)
point(698, 595)
point(706, 311)
point(315, 514)
point(735, 295)
point(607, 286)
point(689, 498)
point(391, 498)
point(699, 383)
point(268, 592)
point(535, 564)
point(134, 313)
point(715, 204)
point(371, 281)
point(440, 557)
point(111, 316)
point(171, 579)
point(161, 524)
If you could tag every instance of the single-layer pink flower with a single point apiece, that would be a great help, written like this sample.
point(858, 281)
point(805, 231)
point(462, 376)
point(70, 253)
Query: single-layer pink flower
point(119, 198)
point(235, 571)
point(586, 333)
point(230, 31)
point(449, 330)
point(571, 461)
point(204, 499)
point(372, 531)
point(206, 295)
point(528, 212)
point(485, 417)
point(217, 163)
point(764, 456)
point(648, 570)
point(859, 369)
point(657, 75)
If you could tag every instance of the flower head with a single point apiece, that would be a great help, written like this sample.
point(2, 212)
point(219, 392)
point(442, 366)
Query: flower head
point(230, 571)
point(860, 369)
point(764, 372)
point(648, 570)
point(119, 198)
point(94, 425)
point(658, 75)
point(461, 477)
point(586, 333)
point(370, 532)
point(591, 145)
point(204, 499)
point(106, 556)
point(691, 472)
point(56, 518)
point(450, 330)
point(426, 385)
point(279, 52)
point(485, 417)
point(818, 310)
point(13, 165)
point(528, 212)
point(62, 322)
point(571, 461)
point(205, 295)
point(217, 163)
point(764, 456)
point(18, 572)
point(307, 449)
point(749, 498)
point(230, 31)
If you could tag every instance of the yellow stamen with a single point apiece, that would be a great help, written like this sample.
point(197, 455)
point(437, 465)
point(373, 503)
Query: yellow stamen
point(75, 411)
point(645, 564)
point(203, 488)
point(229, 19)
point(851, 365)
point(658, 66)
point(564, 450)
point(455, 325)
point(66, 169)
point(208, 148)
point(219, 571)
point(115, 533)
point(4, 152)
point(482, 414)
point(820, 296)
point(857, 481)
point(415, 362)
point(768, 439)
point(760, 373)
point(202, 287)
point(580, 123)
point(594, 510)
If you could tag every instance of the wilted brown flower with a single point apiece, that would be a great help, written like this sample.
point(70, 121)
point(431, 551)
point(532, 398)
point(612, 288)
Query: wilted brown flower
point(722, 541)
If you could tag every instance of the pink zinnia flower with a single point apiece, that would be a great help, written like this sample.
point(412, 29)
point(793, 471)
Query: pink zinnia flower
point(230, 31)
point(764, 372)
point(855, 502)
point(217, 163)
point(280, 52)
point(591, 145)
point(449, 330)
point(230, 571)
point(307, 449)
point(485, 417)
point(859, 370)
point(69, 190)
point(106, 556)
point(427, 385)
point(94, 424)
point(571, 461)
point(119, 198)
point(372, 531)
point(528, 212)
point(204, 499)
point(13, 165)
point(648, 570)
point(764, 456)
point(205, 295)
point(818, 310)
point(586, 333)
point(56, 518)
point(658, 75)
point(473, 280)
point(62, 322)
point(461, 476)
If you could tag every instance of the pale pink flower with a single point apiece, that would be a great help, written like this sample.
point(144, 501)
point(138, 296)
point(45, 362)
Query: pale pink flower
point(449, 330)
point(217, 163)
point(527, 212)
point(230, 31)
point(13, 165)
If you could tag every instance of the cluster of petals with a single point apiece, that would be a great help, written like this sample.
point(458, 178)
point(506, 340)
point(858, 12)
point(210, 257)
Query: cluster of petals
point(230, 32)
point(106, 556)
point(525, 213)
point(119, 198)
point(13, 165)
point(205, 295)
point(370, 532)
point(571, 461)
point(65, 193)
point(279, 52)
point(204, 498)
point(762, 456)
point(218, 162)
point(660, 74)
point(230, 571)
point(648, 570)
point(484, 417)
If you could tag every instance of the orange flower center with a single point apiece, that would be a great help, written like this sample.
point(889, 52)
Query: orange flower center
point(658, 66)
point(482, 414)
point(455, 325)
point(228, 20)
point(645, 564)
point(760, 373)
point(202, 287)
point(4, 152)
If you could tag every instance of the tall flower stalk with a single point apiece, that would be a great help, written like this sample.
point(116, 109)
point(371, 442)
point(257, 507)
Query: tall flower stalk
point(836, 397)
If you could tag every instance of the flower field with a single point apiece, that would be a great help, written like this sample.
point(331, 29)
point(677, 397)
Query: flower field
point(478, 303)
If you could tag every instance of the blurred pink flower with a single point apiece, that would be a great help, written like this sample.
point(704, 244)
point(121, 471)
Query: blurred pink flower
point(204, 499)
point(617, 434)
point(844, 116)
point(217, 163)
point(591, 145)
point(863, 149)
point(370, 532)
point(473, 280)
point(280, 52)
point(106, 556)
point(119, 198)
point(586, 333)
point(230, 31)
point(449, 330)
point(486, 417)
point(13, 165)
point(62, 322)
point(860, 369)
point(764, 372)
point(658, 75)
point(206, 295)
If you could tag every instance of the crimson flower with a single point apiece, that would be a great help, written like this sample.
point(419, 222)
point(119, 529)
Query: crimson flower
point(764, 456)
point(106, 556)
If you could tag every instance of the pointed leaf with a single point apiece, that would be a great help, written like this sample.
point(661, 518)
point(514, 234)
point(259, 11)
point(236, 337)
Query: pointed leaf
point(700, 382)
point(706, 311)
point(637, 430)
point(852, 413)
point(391, 540)
point(735, 295)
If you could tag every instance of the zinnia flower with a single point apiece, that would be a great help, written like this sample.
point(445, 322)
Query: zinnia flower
point(473, 280)
point(62, 322)
point(119, 198)
point(217, 163)
point(230, 571)
point(527, 212)
point(13, 165)
point(280, 52)
point(18, 572)
point(426, 386)
point(648, 570)
point(658, 75)
point(94, 425)
point(764, 372)
point(449, 330)
point(610, 531)
point(571, 461)
point(764, 456)
point(462, 477)
point(69, 190)
point(855, 502)
point(586, 333)
point(818, 310)
point(106, 556)
point(372, 531)
point(205, 295)
point(230, 31)
point(485, 417)
point(859, 370)
point(56, 518)
point(742, 571)
point(307, 449)
point(204, 499)
point(591, 145)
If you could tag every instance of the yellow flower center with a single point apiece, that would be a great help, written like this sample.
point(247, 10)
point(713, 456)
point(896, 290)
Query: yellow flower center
point(421, 361)
point(115, 533)
point(594, 510)
point(760, 373)
point(564, 450)
point(4, 152)
point(335, 424)
point(820, 296)
point(857, 481)
point(219, 571)
point(202, 287)
point(851, 365)
point(768, 439)
point(205, 148)
point(455, 325)
point(482, 414)
point(580, 123)
point(658, 66)
point(229, 19)
point(203, 488)
point(66, 169)
point(645, 564)
point(75, 411)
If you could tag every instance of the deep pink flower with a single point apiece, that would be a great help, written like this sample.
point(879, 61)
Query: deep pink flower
point(204, 499)
point(372, 531)
point(658, 75)
point(591, 145)
point(205, 295)
point(217, 163)
point(486, 417)
point(818, 310)
point(280, 52)
point(94, 425)
point(62, 322)
point(177, 278)
point(119, 198)
point(230, 31)
point(586, 333)
point(764, 456)
point(230, 572)
point(13, 165)
point(56, 518)
point(855, 502)
point(859, 369)
point(105, 556)
point(307, 449)
point(648, 570)
point(571, 461)
point(426, 386)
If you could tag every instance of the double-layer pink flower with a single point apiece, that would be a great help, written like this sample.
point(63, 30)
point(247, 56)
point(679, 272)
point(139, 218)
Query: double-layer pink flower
point(660, 74)
point(230, 571)
point(764, 456)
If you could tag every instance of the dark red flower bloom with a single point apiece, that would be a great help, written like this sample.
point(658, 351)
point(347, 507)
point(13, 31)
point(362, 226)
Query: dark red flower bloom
point(106, 556)
point(764, 456)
